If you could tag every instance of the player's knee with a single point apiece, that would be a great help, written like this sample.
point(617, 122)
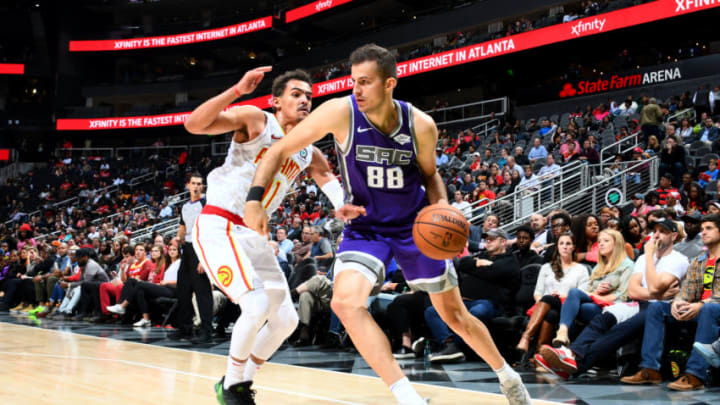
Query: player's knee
point(287, 319)
point(255, 305)
point(342, 306)
point(456, 319)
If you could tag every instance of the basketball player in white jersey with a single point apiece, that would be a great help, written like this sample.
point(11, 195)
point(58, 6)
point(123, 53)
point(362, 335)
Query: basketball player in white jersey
point(239, 261)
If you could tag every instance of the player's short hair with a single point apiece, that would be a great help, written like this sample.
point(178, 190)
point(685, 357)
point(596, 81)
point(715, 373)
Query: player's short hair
point(280, 82)
point(197, 175)
point(385, 60)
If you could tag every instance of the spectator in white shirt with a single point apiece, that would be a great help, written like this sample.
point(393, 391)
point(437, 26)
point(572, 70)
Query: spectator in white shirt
point(462, 205)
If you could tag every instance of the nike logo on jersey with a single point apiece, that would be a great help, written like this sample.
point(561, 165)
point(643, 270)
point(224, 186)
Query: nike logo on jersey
point(402, 139)
point(275, 137)
point(361, 130)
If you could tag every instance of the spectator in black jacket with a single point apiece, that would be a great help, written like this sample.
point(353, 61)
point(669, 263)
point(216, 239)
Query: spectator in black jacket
point(487, 285)
point(522, 251)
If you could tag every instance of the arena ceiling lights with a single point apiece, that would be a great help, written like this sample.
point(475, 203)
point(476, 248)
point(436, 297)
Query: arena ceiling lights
point(641, 14)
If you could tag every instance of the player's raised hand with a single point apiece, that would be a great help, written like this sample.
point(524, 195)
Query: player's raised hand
point(255, 217)
point(251, 79)
point(348, 212)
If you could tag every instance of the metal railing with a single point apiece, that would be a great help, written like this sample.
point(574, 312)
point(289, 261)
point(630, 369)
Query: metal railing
point(619, 147)
point(545, 189)
point(74, 153)
point(481, 130)
point(690, 112)
point(470, 111)
point(112, 188)
point(614, 186)
point(164, 228)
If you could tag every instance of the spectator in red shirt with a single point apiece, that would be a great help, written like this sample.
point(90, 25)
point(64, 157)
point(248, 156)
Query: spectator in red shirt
point(665, 188)
point(483, 194)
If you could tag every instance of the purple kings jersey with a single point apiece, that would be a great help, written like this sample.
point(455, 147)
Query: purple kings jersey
point(379, 172)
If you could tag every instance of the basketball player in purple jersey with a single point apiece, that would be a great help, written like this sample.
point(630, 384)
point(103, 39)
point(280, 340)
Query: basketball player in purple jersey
point(386, 151)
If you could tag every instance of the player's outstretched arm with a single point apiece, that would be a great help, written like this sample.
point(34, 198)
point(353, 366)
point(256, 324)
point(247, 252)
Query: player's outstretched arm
point(427, 136)
point(331, 117)
point(210, 119)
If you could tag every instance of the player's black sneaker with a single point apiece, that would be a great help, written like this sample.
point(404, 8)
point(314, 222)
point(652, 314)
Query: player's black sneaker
point(237, 394)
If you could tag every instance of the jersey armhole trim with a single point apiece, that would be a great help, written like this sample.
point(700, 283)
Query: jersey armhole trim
point(344, 148)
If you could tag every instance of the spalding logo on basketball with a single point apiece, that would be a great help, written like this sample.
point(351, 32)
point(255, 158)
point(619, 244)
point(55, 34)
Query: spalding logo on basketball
point(441, 231)
point(225, 276)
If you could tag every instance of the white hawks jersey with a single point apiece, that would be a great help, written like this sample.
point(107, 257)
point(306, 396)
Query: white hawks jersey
point(229, 184)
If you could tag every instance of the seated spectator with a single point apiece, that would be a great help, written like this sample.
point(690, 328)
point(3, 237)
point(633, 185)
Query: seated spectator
point(305, 266)
point(538, 151)
point(631, 230)
point(559, 224)
point(313, 297)
point(550, 169)
point(487, 285)
point(554, 282)
point(520, 157)
point(695, 198)
point(672, 201)
point(695, 304)
point(589, 154)
point(407, 314)
point(692, 245)
point(284, 244)
point(468, 185)
point(672, 159)
point(138, 268)
point(161, 283)
point(656, 277)
point(665, 188)
point(608, 285)
point(708, 132)
point(90, 272)
point(440, 158)
point(711, 174)
point(321, 250)
point(585, 229)
point(522, 250)
point(461, 204)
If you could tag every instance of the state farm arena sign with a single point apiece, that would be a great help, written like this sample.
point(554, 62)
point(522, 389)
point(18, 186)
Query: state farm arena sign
point(618, 82)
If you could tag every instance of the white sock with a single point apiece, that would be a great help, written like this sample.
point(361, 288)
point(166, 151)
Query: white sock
point(234, 372)
point(405, 393)
point(250, 369)
point(506, 373)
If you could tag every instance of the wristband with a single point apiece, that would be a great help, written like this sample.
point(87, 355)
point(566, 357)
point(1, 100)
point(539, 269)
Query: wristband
point(255, 194)
point(237, 93)
point(334, 192)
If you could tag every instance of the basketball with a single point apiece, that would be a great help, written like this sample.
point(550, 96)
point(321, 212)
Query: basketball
point(440, 231)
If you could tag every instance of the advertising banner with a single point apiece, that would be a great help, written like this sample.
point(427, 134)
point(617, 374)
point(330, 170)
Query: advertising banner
point(172, 40)
point(614, 20)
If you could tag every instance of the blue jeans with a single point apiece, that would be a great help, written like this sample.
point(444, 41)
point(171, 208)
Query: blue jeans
point(658, 316)
point(603, 336)
point(57, 293)
point(484, 310)
point(578, 303)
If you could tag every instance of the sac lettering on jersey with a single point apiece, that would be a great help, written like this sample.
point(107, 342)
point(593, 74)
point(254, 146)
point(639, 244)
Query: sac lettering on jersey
point(375, 154)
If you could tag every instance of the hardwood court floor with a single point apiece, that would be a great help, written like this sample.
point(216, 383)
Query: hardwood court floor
point(43, 366)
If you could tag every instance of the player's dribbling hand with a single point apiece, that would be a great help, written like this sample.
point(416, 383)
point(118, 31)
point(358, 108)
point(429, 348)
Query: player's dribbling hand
point(251, 79)
point(255, 217)
point(348, 212)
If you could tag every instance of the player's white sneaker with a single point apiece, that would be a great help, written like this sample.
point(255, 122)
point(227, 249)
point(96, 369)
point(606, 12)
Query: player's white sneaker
point(515, 392)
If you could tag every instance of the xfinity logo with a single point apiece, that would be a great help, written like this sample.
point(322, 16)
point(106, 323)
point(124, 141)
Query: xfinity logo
point(323, 4)
point(587, 26)
point(686, 5)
